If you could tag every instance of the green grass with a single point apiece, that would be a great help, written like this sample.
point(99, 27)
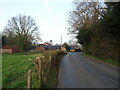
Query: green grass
point(15, 68)
point(110, 61)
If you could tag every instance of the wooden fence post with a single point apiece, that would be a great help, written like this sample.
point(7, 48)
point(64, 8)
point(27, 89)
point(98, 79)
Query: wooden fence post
point(29, 79)
point(50, 63)
point(40, 72)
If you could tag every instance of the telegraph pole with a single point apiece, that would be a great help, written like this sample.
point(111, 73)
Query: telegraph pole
point(61, 41)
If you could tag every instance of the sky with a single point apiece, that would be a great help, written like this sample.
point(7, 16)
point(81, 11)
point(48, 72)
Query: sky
point(50, 15)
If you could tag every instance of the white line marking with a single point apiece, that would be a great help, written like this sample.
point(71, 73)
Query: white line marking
point(114, 82)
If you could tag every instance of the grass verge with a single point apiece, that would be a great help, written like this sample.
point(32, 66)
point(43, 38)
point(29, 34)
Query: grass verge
point(109, 61)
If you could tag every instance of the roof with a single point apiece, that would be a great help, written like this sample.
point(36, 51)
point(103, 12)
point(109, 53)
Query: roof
point(9, 47)
point(72, 47)
point(49, 47)
point(56, 47)
point(46, 46)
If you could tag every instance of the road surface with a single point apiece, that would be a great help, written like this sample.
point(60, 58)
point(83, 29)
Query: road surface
point(78, 71)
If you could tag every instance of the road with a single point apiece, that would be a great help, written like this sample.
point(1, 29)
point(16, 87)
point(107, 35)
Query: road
point(77, 71)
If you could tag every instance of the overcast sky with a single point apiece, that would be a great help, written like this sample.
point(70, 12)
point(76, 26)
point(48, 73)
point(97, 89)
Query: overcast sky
point(50, 16)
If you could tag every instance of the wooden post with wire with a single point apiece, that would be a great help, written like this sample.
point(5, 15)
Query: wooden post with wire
point(50, 66)
point(29, 79)
point(40, 72)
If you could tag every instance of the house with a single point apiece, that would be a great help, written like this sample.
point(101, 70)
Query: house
point(5, 50)
point(43, 47)
point(63, 48)
point(46, 46)
point(72, 48)
point(76, 48)
point(56, 48)
point(10, 49)
point(40, 48)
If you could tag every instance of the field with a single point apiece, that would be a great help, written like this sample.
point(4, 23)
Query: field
point(15, 68)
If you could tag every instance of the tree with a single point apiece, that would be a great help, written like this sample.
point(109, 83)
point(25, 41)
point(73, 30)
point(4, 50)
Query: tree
point(111, 29)
point(111, 22)
point(51, 42)
point(97, 27)
point(23, 30)
point(85, 15)
point(84, 22)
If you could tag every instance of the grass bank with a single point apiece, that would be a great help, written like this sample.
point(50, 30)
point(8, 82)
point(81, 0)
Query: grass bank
point(109, 61)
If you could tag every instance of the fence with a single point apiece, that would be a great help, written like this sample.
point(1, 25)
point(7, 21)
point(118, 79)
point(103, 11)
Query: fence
point(44, 65)
point(40, 64)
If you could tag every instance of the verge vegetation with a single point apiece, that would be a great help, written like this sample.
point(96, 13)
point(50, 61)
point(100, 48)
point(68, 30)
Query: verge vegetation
point(51, 68)
point(110, 61)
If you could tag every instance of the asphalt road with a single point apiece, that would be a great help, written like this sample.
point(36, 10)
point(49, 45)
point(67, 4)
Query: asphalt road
point(78, 71)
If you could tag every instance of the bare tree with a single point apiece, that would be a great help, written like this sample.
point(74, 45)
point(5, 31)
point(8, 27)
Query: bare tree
point(84, 15)
point(23, 29)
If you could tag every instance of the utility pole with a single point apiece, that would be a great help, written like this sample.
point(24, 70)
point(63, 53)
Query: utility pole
point(61, 41)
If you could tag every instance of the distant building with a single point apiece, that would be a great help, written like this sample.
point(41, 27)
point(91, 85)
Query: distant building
point(63, 48)
point(72, 48)
point(10, 49)
point(75, 48)
point(40, 48)
point(46, 46)
point(56, 47)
